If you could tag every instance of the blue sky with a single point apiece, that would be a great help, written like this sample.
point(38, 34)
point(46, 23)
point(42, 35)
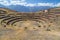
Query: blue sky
point(31, 3)
point(43, 1)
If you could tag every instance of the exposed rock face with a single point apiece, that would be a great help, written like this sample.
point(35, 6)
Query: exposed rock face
point(43, 25)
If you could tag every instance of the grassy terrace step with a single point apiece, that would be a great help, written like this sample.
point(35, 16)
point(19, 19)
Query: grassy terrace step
point(2, 12)
point(2, 17)
point(6, 19)
point(12, 20)
point(12, 23)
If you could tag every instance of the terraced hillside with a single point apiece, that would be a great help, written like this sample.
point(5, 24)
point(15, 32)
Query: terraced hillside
point(43, 25)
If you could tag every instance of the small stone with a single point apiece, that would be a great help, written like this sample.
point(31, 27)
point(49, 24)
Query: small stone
point(39, 26)
point(48, 29)
point(25, 27)
point(4, 25)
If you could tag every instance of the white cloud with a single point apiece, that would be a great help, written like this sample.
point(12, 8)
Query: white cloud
point(24, 3)
point(57, 5)
point(45, 4)
point(31, 5)
point(49, 4)
point(17, 3)
point(12, 2)
point(4, 2)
